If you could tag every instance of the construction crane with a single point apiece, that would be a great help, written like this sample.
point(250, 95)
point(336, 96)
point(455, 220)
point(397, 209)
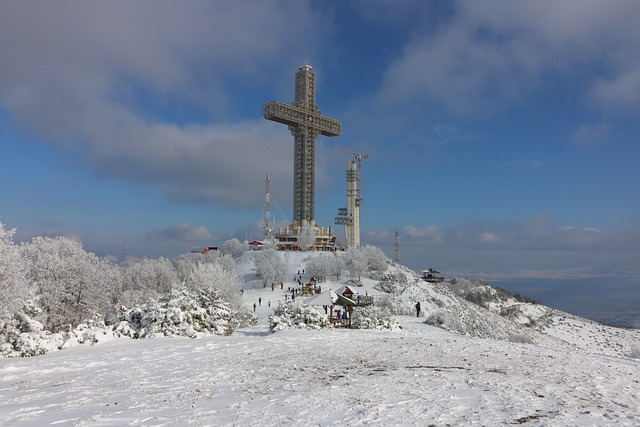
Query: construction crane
point(359, 157)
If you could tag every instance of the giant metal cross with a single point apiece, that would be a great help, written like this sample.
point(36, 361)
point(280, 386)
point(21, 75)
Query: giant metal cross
point(305, 123)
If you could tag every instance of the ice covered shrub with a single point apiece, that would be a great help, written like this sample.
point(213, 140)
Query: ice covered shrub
point(393, 282)
point(21, 336)
point(521, 339)
point(446, 321)
point(395, 305)
point(290, 315)
point(373, 317)
point(179, 313)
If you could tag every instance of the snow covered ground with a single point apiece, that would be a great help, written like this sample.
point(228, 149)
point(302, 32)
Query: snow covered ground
point(419, 375)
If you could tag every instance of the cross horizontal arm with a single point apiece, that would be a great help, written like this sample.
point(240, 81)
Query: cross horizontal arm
point(296, 116)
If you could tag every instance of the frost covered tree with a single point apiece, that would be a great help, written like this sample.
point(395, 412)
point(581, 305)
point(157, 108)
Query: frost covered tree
point(270, 267)
point(13, 289)
point(71, 284)
point(337, 267)
point(227, 284)
point(355, 262)
point(307, 237)
point(148, 279)
point(321, 266)
point(377, 261)
point(185, 263)
point(234, 247)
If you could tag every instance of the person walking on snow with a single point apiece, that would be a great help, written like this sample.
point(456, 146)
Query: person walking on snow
point(254, 307)
point(418, 309)
point(260, 301)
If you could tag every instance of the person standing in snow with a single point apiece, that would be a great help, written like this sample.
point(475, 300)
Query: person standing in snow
point(260, 301)
point(254, 307)
point(418, 309)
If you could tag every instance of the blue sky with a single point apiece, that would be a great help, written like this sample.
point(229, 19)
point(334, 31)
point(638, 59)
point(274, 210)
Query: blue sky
point(502, 136)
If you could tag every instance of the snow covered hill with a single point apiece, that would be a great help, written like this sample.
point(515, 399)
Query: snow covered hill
point(501, 317)
point(420, 375)
point(503, 362)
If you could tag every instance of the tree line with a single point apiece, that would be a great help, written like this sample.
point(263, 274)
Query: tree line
point(57, 282)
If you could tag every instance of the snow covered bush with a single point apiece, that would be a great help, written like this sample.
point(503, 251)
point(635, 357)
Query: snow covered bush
point(446, 321)
point(476, 291)
point(393, 282)
point(396, 305)
point(21, 336)
point(521, 339)
point(289, 315)
point(179, 313)
point(373, 317)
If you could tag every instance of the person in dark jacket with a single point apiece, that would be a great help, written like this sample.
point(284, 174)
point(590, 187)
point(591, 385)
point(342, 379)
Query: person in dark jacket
point(418, 309)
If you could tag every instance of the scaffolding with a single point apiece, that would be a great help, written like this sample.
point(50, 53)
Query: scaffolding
point(305, 123)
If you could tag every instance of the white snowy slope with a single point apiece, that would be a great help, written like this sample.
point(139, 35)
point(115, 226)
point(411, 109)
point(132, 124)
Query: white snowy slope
point(420, 375)
point(574, 375)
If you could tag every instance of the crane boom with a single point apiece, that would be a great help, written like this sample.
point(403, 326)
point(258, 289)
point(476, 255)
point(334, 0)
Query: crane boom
point(359, 156)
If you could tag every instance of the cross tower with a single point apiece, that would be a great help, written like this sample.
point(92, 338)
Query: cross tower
point(305, 123)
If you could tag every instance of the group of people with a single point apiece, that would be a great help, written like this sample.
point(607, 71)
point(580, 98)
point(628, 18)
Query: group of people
point(260, 303)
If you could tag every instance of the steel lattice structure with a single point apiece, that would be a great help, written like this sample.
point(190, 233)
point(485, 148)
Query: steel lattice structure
point(305, 123)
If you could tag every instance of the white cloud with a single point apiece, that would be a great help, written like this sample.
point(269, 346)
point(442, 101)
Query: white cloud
point(490, 238)
point(429, 231)
point(619, 92)
point(95, 78)
point(494, 52)
point(181, 232)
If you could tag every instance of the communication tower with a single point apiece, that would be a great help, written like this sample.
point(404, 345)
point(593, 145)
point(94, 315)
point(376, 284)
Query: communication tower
point(268, 231)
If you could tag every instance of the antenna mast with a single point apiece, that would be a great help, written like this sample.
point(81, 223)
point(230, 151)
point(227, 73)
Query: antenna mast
point(397, 247)
point(267, 210)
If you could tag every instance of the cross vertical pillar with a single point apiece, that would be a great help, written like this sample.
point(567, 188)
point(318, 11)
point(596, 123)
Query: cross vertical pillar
point(305, 123)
